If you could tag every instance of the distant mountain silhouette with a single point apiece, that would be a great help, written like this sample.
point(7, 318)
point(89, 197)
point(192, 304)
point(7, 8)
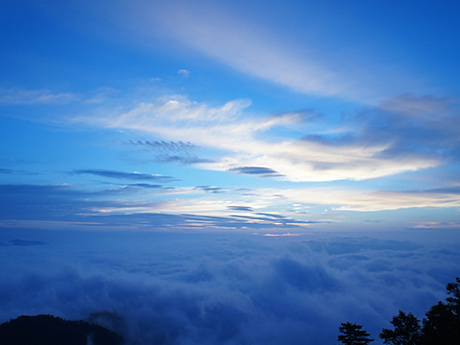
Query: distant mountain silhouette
point(52, 330)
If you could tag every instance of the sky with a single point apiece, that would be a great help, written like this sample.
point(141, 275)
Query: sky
point(277, 122)
point(230, 115)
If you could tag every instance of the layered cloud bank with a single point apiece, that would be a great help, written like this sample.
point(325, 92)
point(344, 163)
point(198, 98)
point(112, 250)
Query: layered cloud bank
point(226, 289)
point(298, 146)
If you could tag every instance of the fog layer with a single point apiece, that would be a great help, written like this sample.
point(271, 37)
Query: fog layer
point(167, 288)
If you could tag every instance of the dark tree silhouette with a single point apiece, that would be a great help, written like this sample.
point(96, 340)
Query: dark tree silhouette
point(352, 334)
point(51, 330)
point(453, 301)
point(406, 330)
point(442, 323)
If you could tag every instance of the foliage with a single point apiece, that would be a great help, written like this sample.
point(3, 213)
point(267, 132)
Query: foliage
point(441, 326)
point(406, 330)
point(442, 323)
point(352, 334)
point(453, 301)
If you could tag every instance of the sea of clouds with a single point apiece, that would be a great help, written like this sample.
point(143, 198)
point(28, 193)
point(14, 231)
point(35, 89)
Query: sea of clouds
point(232, 288)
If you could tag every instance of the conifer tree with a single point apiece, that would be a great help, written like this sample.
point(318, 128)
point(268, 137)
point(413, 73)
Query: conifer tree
point(352, 334)
point(406, 330)
point(442, 323)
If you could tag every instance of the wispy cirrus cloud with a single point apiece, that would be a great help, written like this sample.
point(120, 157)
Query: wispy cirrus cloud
point(437, 225)
point(371, 201)
point(426, 125)
point(142, 205)
point(254, 47)
point(134, 207)
point(260, 200)
point(7, 171)
point(249, 144)
point(145, 185)
point(236, 44)
point(34, 97)
point(164, 146)
point(172, 152)
point(421, 106)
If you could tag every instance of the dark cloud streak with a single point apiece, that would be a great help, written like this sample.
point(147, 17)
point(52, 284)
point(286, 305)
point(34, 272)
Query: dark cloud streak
point(240, 208)
point(257, 171)
point(123, 175)
point(210, 189)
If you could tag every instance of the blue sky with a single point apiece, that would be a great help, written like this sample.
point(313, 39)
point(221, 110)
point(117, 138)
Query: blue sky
point(209, 115)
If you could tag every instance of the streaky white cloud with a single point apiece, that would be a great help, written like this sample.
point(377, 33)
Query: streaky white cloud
point(365, 201)
point(300, 161)
point(243, 141)
point(221, 33)
point(185, 200)
point(437, 225)
point(180, 111)
point(339, 199)
point(21, 96)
